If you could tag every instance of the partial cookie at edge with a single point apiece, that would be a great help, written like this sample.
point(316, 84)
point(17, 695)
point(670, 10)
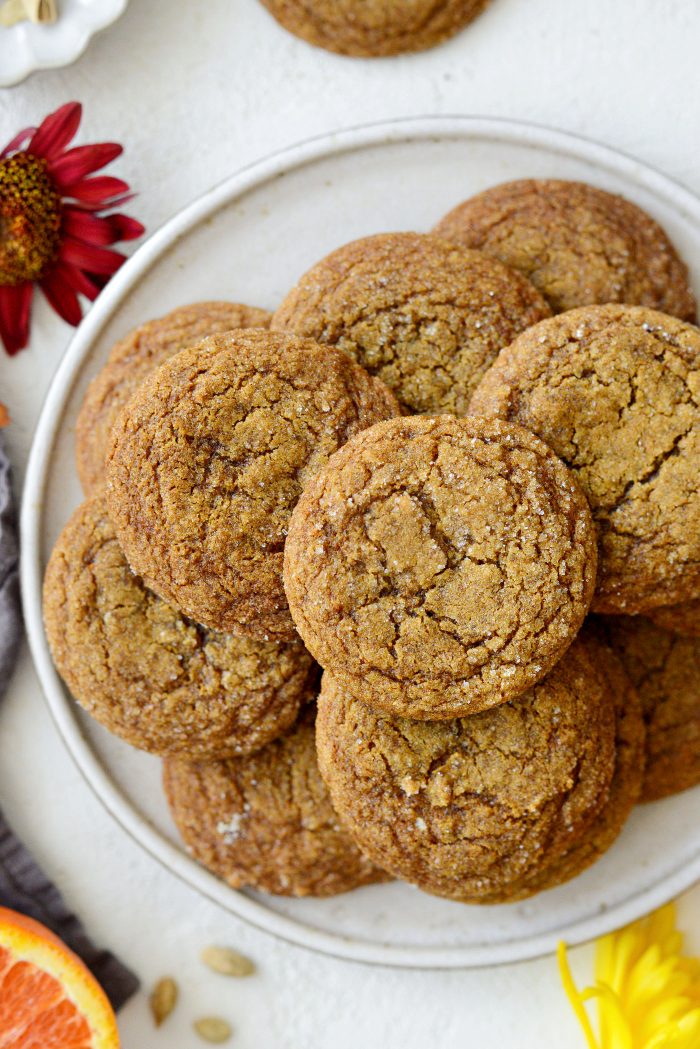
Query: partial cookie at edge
point(666, 671)
point(148, 674)
point(425, 316)
point(577, 243)
point(615, 392)
point(374, 28)
point(266, 821)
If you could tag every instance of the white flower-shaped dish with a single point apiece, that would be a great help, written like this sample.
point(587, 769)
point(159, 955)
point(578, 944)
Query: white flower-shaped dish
point(26, 47)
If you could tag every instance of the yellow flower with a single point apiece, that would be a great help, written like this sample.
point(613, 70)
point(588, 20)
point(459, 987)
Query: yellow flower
point(647, 990)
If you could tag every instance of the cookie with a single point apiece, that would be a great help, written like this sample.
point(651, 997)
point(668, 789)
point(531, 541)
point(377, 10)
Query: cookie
point(209, 458)
point(374, 28)
point(439, 566)
point(615, 392)
point(471, 807)
point(625, 786)
point(679, 619)
point(131, 360)
point(151, 676)
point(666, 671)
point(424, 316)
point(578, 244)
point(266, 820)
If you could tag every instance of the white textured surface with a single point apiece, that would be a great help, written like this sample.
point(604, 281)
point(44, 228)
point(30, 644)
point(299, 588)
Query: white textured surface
point(194, 91)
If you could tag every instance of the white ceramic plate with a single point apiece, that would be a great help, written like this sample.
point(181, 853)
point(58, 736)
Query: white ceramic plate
point(26, 47)
point(249, 239)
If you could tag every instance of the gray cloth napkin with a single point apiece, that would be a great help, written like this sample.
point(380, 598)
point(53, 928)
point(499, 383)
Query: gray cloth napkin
point(23, 886)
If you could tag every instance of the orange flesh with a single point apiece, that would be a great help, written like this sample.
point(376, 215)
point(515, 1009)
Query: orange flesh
point(34, 1010)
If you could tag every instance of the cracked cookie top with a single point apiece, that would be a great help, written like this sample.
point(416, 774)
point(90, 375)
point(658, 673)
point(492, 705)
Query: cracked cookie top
point(470, 808)
point(131, 360)
point(665, 669)
point(374, 28)
point(148, 674)
point(426, 317)
point(439, 566)
point(209, 458)
point(577, 244)
point(615, 392)
point(625, 786)
point(266, 820)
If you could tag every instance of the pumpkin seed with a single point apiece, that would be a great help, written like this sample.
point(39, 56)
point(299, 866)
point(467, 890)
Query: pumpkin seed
point(226, 961)
point(213, 1029)
point(163, 999)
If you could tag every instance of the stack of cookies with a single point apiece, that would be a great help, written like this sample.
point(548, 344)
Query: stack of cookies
point(336, 565)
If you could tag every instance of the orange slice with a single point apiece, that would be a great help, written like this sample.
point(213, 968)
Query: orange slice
point(48, 998)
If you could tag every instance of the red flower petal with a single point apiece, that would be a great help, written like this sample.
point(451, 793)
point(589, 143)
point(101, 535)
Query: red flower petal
point(15, 304)
point(100, 205)
point(98, 190)
point(124, 227)
point(76, 163)
point(85, 225)
point(56, 131)
point(100, 229)
point(80, 281)
point(90, 257)
point(62, 297)
point(17, 141)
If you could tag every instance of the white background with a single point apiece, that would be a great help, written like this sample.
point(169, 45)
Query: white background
point(194, 90)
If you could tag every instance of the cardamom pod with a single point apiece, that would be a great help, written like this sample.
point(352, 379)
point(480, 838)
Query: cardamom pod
point(163, 999)
point(226, 961)
point(213, 1029)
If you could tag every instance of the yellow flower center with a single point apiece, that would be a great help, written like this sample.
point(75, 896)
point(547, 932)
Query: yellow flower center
point(30, 218)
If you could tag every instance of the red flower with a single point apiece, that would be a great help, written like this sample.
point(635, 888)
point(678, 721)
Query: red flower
point(51, 232)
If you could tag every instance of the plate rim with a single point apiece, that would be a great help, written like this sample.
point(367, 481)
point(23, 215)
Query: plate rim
point(63, 711)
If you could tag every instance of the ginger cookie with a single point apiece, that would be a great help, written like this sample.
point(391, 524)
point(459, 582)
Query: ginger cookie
point(151, 676)
point(426, 317)
point(470, 808)
point(209, 458)
point(440, 566)
point(615, 392)
point(374, 28)
point(666, 671)
point(625, 786)
point(132, 359)
point(266, 820)
point(679, 619)
point(578, 244)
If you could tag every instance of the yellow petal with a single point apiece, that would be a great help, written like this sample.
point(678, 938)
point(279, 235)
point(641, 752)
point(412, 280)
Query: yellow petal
point(653, 978)
point(628, 946)
point(663, 1014)
point(647, 991)
point(615, 1030)
point(574, 997)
